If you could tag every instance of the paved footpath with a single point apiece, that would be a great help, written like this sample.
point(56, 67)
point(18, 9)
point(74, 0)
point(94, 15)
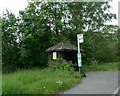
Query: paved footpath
point(97, 83)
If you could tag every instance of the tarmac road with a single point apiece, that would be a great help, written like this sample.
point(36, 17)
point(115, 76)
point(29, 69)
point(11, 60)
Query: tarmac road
point(97, 83)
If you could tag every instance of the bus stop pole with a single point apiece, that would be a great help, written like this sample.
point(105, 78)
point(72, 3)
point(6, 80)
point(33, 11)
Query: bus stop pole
point(78, 54)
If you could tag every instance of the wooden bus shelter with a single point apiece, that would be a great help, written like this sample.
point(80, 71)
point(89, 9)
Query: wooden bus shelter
point(62, 50)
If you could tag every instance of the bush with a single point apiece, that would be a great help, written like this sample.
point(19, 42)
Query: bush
point(94, 62)
point(87, 56)
point(77, 75)
point(8, 68)
point(62, 65)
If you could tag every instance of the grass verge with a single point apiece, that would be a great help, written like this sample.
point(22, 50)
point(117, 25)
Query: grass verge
point(102, 67)
point(0, 83)
point(36, 81)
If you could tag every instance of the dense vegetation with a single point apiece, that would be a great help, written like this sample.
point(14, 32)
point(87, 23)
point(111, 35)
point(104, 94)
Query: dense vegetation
point(41, 25)
point(36, 81)
point(48, 81)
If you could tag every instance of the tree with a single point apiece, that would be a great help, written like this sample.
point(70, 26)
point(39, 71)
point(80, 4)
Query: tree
point(105, 44)
point(10, 49)
point(43, 24)
point(35, 37)
point(89, 18)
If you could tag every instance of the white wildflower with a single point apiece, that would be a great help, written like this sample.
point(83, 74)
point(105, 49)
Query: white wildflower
point(44, 87)
point(59, 82)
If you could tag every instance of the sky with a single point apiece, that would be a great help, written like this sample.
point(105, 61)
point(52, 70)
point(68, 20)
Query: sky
point(16, 5)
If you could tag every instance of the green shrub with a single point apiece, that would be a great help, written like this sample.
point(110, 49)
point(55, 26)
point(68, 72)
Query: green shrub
point(77, 75)
point(62, 65)
point(87, 54)
point(94, 62)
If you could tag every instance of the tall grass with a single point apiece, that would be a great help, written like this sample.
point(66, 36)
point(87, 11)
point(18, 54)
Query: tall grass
point(102, 67)
point(46, 81)
point(1, 83)
point(36, 81)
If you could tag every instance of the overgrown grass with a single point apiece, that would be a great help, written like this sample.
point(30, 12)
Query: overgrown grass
point(36, 81)
point(47, 81)
point(102, 67)
point(0, 83)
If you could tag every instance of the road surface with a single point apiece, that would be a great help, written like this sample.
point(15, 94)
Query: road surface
point(97, 83)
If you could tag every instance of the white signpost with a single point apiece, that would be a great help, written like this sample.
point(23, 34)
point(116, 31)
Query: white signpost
point(79, 40)
point(79, 59)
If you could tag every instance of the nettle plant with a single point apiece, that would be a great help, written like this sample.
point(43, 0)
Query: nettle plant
point(62, 65)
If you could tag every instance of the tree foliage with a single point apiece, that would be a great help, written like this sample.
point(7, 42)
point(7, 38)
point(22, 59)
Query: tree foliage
point(10, 46)
point(106, 44)
point(43, 24)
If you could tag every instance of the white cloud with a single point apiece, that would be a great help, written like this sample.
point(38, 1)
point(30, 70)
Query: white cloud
point(114, 10)
point(12, 5)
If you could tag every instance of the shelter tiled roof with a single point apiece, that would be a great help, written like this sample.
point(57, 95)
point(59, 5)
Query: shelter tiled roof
point(62, 47)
